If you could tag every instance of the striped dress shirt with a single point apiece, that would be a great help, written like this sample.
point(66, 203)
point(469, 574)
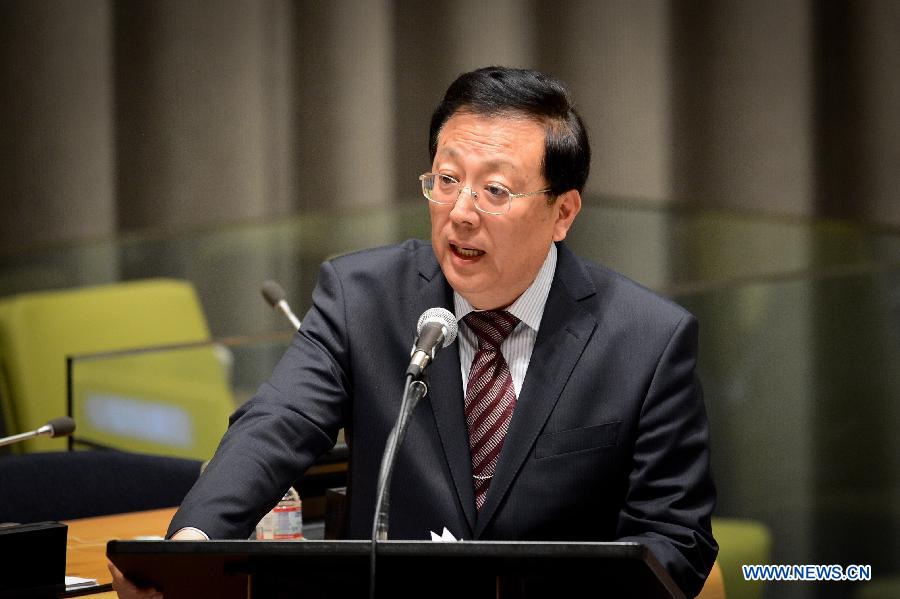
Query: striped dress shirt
point(517, 348)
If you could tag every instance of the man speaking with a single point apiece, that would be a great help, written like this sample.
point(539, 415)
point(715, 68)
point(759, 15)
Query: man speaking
point(569, 408)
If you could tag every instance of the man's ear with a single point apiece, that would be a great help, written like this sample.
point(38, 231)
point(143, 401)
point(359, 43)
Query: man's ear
point(567, 205)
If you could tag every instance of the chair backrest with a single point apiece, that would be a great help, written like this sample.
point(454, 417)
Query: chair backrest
point(39, 330)
point(7, 427)
point(79, 484)
point(166, 401)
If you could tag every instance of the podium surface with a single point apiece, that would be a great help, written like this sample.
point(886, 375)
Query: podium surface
point(472, 569)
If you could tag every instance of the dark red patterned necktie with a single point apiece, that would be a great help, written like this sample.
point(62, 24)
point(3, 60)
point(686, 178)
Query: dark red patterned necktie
point(490, 395)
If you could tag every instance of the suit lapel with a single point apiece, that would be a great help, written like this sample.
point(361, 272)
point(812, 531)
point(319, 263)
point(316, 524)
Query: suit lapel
point(445, 388)
point(565, 330)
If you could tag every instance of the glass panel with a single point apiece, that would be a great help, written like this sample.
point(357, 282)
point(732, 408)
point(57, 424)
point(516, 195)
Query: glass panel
point(671, 250)
point(172, 400)
point(800, 346)
point(802, 382)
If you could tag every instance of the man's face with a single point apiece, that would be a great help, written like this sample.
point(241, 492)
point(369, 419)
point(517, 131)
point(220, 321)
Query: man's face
point(492, 259)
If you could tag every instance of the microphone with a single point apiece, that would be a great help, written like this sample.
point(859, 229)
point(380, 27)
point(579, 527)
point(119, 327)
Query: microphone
point(58, 427)
point(274, 294)
point(436, 329)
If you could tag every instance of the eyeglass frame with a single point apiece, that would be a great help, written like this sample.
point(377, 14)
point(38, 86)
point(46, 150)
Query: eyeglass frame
point(474, 194)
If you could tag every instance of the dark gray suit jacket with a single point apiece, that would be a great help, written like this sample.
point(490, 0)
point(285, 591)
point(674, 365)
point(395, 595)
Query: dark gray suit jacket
point(608, 440)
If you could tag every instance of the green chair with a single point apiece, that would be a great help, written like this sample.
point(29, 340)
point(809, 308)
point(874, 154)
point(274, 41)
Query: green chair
point(741, 542)
point(121, 402)
point(6, 424)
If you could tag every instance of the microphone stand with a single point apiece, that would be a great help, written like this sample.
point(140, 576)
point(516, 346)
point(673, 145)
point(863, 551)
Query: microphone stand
point(413, 391)
point(20, 437)
point(58, 427)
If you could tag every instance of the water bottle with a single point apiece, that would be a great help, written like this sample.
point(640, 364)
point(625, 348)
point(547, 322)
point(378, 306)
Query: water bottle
point(284, 522)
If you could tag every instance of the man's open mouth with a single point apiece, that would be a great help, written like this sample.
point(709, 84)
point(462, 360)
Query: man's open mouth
point(466, 252)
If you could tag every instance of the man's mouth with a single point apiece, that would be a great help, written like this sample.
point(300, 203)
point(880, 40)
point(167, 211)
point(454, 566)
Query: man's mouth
point(466, 252)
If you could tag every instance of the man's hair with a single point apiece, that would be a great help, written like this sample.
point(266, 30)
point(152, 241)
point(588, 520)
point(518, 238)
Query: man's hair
point(521, 93)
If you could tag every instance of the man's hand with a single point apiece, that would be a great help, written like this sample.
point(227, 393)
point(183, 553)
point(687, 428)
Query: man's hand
point(128, 590)
point(189, 534)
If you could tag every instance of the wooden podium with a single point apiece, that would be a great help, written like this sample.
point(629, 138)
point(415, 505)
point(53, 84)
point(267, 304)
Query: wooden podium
point(335, 569)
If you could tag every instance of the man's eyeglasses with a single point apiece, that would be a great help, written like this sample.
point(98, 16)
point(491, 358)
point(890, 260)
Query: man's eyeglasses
point(492, 198)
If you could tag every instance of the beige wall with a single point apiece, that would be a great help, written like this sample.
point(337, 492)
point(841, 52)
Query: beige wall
point(180, 113)
point(202, 134)
point(742, 85)
point(56, 122)
point(614, 55)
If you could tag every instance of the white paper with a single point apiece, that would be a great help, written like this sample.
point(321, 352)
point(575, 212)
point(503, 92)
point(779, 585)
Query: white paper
point(76, 582)
point(444, 537)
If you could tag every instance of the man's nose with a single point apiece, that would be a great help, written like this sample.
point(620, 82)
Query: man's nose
point(464, 208)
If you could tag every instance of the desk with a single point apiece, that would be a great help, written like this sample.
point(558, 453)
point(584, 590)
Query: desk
point(86, 543)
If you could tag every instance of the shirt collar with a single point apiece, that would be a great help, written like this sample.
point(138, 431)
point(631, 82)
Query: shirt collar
point(529, 307)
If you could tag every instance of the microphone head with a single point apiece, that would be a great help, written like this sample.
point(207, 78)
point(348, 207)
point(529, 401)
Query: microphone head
point(62, 426)
point(273, 292)
point(441, 317)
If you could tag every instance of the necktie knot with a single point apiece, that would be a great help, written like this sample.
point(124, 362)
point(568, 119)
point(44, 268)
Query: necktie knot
point(491, 327)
